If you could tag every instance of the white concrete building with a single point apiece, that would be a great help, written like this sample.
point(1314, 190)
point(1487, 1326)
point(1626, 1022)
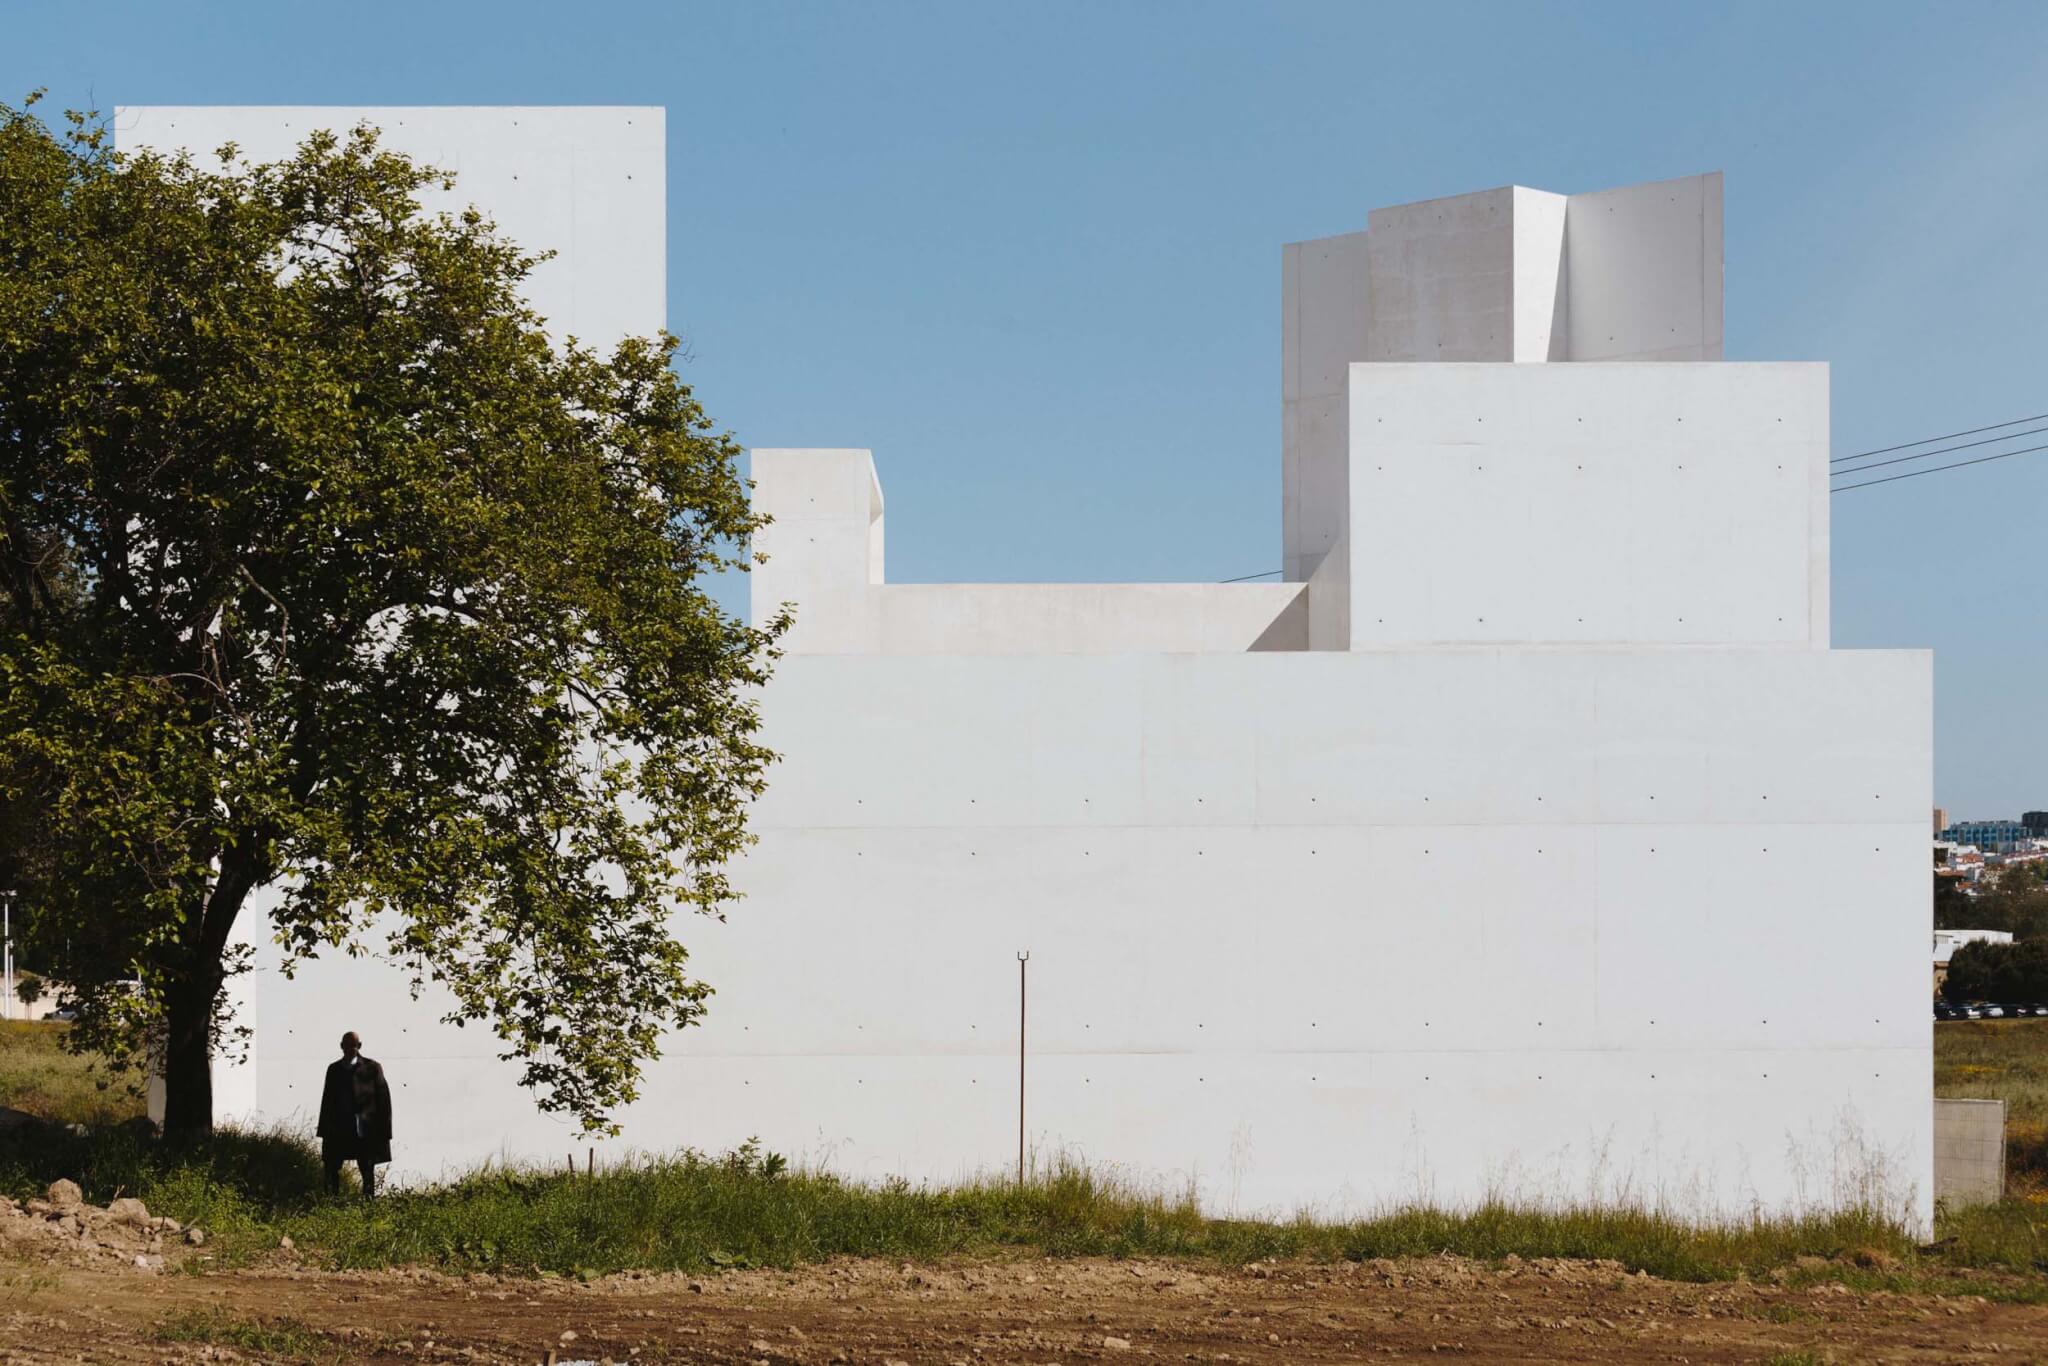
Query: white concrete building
point(1434, 871)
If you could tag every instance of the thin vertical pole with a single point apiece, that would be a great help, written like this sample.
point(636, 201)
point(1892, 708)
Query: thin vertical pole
point(1022, 959)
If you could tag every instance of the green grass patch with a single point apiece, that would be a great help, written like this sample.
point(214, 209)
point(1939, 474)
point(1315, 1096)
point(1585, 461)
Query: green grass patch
point(282, 1337)
point(37, 1075)
point(693, 1213)
point(2002, 1060)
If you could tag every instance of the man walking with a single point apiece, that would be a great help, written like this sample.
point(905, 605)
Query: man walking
point(355, 1117)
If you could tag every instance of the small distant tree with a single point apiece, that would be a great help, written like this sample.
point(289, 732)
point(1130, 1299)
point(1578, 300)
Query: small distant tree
point(323, 571)
point(1983, 971)
point(2014, 901)
point(1953, 907)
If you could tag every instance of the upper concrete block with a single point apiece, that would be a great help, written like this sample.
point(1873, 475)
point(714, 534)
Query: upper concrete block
point(1615, 504)
point(587, 183)
point(824, 536)
point(1643, 272)
point(1440, 280)
point(1512, 274)
point(824, 554)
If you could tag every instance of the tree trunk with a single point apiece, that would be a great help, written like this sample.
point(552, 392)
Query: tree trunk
point(188, 1055)
point(190, 1004)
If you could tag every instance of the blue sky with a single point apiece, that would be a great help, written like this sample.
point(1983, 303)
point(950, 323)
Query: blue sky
point(1029, 253)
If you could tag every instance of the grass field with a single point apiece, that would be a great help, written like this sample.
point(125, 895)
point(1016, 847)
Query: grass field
point(2003, 1059)
point(38, 1076)
point(696, 1213)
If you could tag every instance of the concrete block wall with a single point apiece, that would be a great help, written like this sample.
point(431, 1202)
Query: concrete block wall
point(1597, 503)
point(1506, 275)
point(824, 552)
point(1238, 827)
point(586, 182)
point(1969, 1151)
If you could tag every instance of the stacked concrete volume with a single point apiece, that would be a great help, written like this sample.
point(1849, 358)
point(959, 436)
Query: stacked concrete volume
point(1526, 841)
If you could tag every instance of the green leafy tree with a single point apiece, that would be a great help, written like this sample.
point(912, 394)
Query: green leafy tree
point(323, 572)
point(2015, 901)
point(1981, 971)
point(1954, 908)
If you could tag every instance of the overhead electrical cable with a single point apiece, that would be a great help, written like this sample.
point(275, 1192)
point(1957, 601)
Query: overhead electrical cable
point(1879, 464)
point(1914, 474)
point(1946, 436)
point(1938, 450)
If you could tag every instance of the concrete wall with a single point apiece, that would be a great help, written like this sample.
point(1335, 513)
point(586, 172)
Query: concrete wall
point(825, 559)
point(1326, 309)
point(1625, 504)
point(1307, 929)
point(1644, 271)
point(1436, 873)
point(586, 182)
point(1969, 1151)
point(1441, 278)
point(1542, 312)
point(1512, 274)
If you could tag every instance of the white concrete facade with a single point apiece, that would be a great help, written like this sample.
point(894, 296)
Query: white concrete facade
point(587, 183)
point(1435, 872)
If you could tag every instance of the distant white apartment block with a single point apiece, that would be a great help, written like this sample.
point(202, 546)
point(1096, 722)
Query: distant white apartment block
point(1436, 871)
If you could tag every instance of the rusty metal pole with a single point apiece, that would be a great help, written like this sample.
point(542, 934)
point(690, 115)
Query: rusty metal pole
point(1022, 959)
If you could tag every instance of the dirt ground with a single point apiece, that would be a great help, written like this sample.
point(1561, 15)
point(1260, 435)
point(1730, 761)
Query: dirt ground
point(988, 1312)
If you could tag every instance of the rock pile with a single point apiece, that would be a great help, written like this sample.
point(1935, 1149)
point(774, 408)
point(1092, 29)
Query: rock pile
point(63, 1225)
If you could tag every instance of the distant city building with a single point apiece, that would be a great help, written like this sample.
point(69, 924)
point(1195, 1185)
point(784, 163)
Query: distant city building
point(1940, 819)
point(2036, 823)
point(1993, 837)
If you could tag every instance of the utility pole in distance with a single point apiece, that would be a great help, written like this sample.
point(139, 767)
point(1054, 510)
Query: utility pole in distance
point(7, 963)
point(1022, 959)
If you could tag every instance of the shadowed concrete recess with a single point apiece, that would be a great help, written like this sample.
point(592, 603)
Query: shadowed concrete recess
point(1438, 870)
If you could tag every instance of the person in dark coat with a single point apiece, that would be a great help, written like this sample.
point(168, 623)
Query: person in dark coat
point(355, 1117)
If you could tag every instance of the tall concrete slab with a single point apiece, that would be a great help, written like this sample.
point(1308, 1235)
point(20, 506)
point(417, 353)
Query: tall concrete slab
point(588, 183)
point(1542, 329)
point(1442, 279)
point(1643, 265)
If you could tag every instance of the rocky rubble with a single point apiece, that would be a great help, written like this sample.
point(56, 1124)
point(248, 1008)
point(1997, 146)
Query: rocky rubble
point(63, 1226)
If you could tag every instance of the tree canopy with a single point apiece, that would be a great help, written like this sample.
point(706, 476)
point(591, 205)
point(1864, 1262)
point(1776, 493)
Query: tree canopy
point(2016, 900)
point(1983, 971)
point(323, 569)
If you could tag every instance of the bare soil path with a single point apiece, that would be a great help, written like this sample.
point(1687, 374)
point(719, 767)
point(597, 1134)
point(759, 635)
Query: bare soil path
point(876, 1314)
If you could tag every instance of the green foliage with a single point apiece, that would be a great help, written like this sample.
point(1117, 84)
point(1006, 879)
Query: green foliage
point(273, 1338)
point(2016, 901)
point(696, 1213)
point(1983, 971)
point(322, 569)
point(1954, 908)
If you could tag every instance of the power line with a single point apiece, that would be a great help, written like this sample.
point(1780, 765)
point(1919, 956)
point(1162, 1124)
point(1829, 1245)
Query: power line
point(1914, 474)
point(1938, 450)
point(1907, 445)
point(1888, 479)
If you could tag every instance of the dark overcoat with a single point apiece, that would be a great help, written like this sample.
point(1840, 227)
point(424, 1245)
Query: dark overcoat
point(350, 1092)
